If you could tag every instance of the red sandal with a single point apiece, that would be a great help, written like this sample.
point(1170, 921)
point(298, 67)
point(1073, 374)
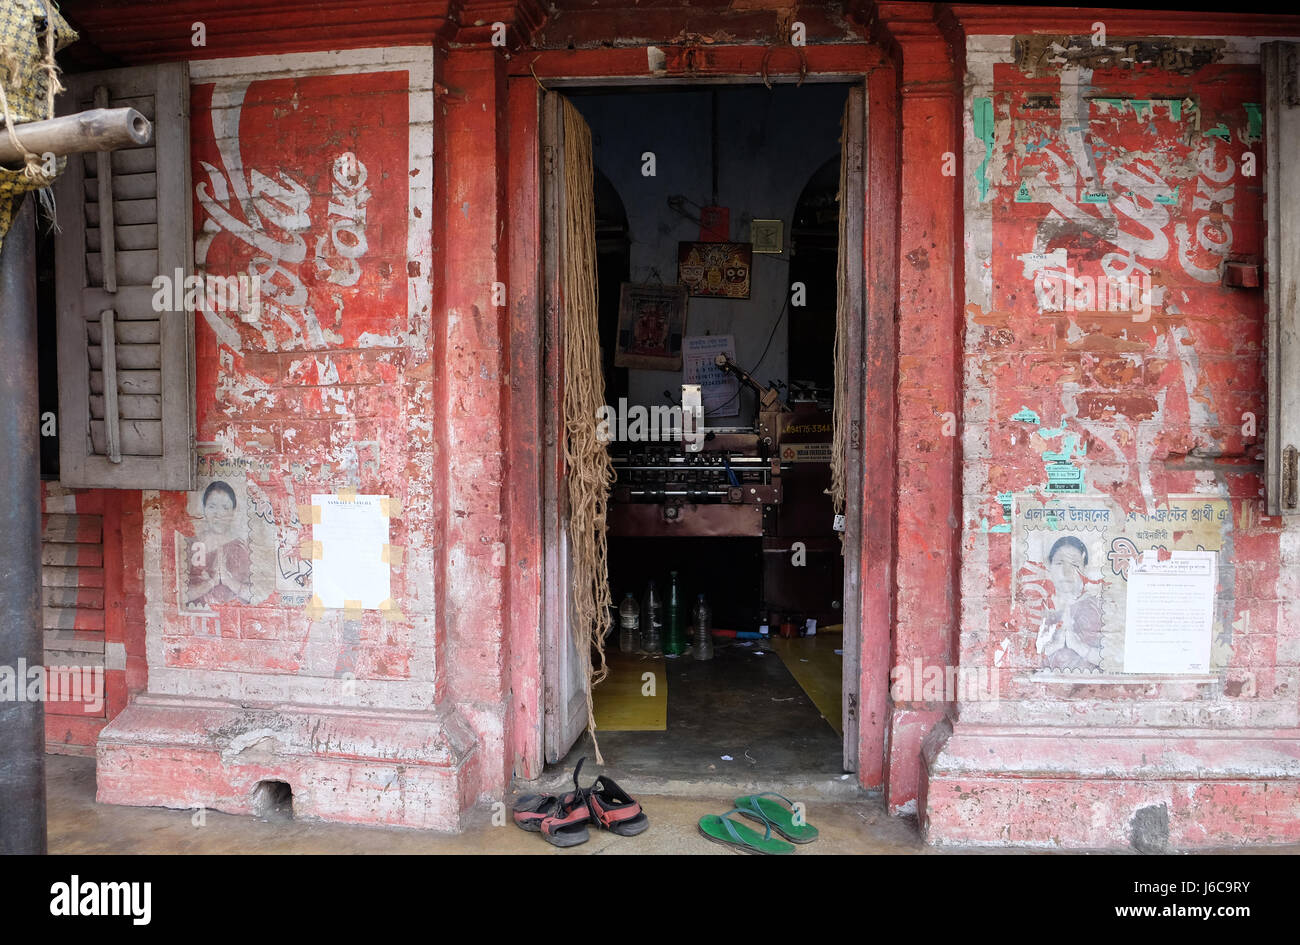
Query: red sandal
point(532, 809)
point(566, 826)
point(612, 808)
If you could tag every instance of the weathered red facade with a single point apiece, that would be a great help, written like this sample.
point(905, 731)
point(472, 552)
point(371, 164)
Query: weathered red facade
point(1000, 144)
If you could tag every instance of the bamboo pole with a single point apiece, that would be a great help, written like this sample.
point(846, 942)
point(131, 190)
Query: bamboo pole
point(98, 129)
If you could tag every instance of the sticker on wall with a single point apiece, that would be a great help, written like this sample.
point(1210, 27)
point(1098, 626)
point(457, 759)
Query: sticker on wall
point(651, 324)
point(1062, 474)
point(720, 270)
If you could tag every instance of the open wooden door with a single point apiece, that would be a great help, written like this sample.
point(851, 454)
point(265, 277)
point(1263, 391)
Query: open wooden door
point(849, 371)
point(1281, 63)
point(565, 659)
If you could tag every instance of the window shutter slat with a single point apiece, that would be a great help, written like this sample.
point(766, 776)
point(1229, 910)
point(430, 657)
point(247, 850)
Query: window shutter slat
point(132, 393)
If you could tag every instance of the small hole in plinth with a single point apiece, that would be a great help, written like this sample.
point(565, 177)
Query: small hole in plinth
point(273, 800)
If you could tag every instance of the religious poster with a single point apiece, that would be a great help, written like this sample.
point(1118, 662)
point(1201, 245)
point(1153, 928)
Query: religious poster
point(1072, 560)
point(651, 324)
point(715, 269)
point(719, 391)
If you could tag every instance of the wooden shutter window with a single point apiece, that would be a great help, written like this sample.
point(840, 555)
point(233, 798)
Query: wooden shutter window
point(126, 371)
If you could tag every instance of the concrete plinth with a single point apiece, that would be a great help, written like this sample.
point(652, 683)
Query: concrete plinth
point(405, 769)
point(1080, 788)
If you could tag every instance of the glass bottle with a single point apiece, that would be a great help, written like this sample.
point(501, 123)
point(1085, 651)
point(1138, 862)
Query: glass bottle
point(703, 630)
point(675, 624)
point(629, 624)
point(652, 619)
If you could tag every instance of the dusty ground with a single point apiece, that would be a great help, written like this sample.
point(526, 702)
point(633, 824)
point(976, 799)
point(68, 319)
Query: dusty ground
point(78, 825)
point(848, 824)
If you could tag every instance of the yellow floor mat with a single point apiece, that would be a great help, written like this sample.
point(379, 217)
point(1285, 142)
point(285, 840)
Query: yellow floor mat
point(626, 701)
point(818, 669)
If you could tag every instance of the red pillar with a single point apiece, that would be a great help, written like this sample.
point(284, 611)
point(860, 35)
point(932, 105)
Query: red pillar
point(471, 399)
point(928, 494)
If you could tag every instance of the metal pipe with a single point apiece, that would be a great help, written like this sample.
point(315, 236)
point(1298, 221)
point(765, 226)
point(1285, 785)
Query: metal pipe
point(22, 644)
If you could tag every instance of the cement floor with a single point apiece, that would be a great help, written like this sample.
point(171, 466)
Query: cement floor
point(743, 704)
point(79, 825)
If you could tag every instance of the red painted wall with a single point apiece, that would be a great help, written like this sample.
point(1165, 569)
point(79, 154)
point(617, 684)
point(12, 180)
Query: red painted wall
point(94, 594)
point(315, 396)
point(433, 398)
point(1164, 402)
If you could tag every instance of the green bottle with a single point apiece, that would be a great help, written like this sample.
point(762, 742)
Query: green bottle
point(675, 631)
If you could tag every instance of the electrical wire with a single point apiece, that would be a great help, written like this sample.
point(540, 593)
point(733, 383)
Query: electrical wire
point(754, 370)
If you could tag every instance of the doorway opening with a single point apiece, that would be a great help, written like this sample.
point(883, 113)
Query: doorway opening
point(718, 255)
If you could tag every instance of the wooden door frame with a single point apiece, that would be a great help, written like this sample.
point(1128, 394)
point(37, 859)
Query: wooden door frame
point(871, 512)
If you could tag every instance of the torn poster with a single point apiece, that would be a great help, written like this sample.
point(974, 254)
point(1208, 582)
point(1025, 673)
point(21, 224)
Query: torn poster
point(1072, 559)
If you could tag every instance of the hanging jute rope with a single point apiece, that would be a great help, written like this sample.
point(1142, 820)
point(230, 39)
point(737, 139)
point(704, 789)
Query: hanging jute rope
point(840, 408)
point(29, 80)
point(590, 473)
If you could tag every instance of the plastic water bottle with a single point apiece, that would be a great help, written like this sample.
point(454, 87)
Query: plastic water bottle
point(675, 634)
point(703, 630)
point(629, 624)
point(652, 619)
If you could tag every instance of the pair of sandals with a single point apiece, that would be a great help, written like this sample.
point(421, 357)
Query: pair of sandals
point(562, 819)
point(775, 812)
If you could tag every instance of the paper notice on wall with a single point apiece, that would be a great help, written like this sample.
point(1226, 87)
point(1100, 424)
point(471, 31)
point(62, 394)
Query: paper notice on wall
point(720, 392)
point(351, 571)
point(1170, 612)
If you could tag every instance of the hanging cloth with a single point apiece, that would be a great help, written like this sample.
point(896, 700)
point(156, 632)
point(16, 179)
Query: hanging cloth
point(31, 32)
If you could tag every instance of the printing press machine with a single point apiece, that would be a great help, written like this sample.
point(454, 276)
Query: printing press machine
point(763, 487)
point(718, 481)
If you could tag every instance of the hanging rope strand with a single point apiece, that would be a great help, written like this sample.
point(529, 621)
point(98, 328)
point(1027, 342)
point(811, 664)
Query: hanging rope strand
point(840, 408)
point(52, 84)
point(590, 472)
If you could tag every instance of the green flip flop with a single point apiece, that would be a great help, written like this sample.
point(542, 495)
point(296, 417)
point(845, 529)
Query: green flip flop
point(779, 815)
point(739, 837)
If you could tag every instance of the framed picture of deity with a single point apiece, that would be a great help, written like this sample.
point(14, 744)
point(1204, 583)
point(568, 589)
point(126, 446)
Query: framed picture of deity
point(651, 323)
point(719, 270)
